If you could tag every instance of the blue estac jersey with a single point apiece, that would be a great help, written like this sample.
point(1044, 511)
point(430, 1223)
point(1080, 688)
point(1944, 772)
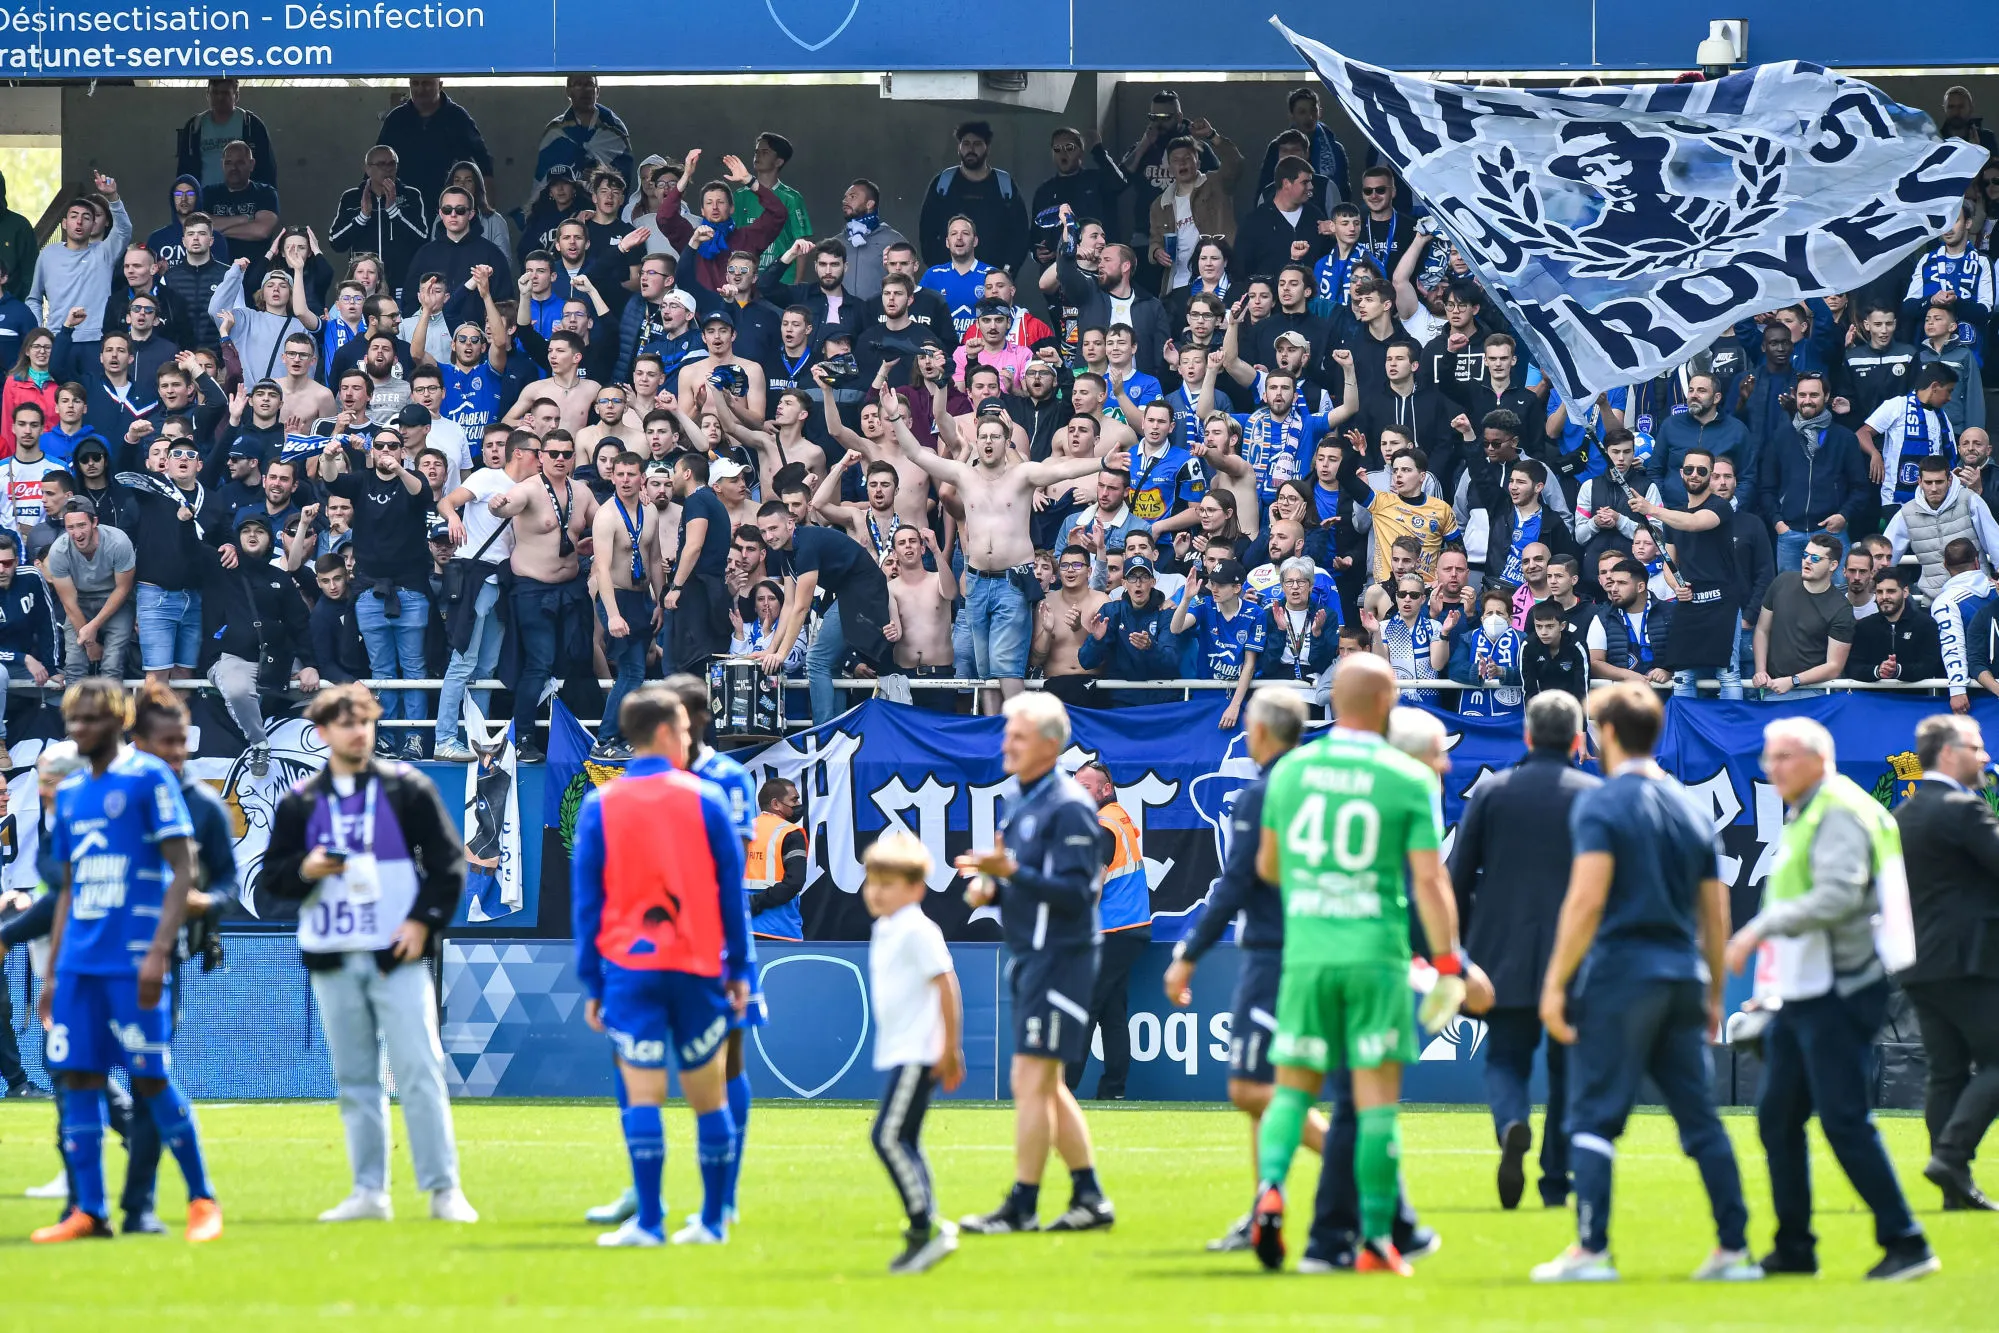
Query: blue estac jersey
point(961, 291)
point(471, 397)
point(734, 780)
point(108, 831)
point(1161, 486)
point(1225, 639)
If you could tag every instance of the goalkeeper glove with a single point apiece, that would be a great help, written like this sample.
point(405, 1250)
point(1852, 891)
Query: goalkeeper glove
point(1440, 1007)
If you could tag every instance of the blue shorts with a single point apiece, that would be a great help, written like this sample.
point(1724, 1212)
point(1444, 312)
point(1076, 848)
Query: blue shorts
point(646, 1012)
point(169, 624)
point(756, 1013)
point(1002, 625)
point(1051, 1003)
point(1253, 1017)
point(97, 1024)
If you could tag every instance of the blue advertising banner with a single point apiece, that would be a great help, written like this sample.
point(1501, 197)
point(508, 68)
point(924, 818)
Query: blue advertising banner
point(149, 39)
point(885, 765)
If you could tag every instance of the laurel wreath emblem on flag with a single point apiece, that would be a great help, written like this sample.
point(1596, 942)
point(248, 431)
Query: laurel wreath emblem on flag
point(1506, 190)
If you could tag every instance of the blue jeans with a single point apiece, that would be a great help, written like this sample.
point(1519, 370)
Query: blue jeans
point(626, 656)
point(1791, 551)
point(1817, 1059)
point(477, 662)
point(1730, 677)
point(169, 628)
point(822, 659)
point(1002, 623)
point(395, 647)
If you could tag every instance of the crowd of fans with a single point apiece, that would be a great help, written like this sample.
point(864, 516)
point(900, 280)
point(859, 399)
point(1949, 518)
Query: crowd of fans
point(1105, 430)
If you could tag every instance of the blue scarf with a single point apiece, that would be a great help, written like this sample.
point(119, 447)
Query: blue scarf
point(1271, 448)
point(861, 226)
point(716, 246)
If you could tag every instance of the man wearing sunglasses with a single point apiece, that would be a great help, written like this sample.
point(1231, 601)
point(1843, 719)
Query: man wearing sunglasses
point(1385, 232)
point(1805, 629)
point(1701, 538)
point(458, 248)
point(382, 214)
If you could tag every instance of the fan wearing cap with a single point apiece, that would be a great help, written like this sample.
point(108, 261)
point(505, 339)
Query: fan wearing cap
point(997, 491)
point(1228, 630)
point(259, 333)
point(1131, 635)
point(253, 623)
point(697, 378)
point(656, 321)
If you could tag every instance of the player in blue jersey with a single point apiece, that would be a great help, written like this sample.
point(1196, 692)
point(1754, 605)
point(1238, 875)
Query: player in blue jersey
point(122, 833)
point(734, 780)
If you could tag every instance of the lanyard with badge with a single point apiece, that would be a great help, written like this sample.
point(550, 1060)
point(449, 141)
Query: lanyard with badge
point(634, 528)
point(358, 874)
point(564, 546)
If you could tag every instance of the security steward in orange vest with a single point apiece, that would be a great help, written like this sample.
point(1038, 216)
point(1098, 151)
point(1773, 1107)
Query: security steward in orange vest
point(774, 871)
point(1126, 910)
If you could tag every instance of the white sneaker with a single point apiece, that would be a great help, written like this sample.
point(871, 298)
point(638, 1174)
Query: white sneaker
point(696, 1234)
point(55, 1189)
point(1729, 1266)
point(1576, 1264)
point(449, 1205)
point(730, 1217)
point(362, 1206)
point(631, 1233)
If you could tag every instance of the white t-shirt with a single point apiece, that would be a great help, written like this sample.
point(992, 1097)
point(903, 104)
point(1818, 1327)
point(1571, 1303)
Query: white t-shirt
point(449, 438)
point(905, 954)
point(480, 521)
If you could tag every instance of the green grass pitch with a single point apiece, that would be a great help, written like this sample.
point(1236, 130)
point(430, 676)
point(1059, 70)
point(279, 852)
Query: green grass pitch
point(821, 1224)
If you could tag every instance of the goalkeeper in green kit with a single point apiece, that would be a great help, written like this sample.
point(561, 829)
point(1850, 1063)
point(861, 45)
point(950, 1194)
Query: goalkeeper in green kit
point(1342, 819)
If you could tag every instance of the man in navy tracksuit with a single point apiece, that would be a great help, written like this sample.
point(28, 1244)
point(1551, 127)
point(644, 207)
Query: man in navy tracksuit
point(1132, 636)
point(1642, 934)
point(1044, 873)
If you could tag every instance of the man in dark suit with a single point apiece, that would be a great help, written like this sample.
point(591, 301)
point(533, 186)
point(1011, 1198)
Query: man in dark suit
point(1510, 870)
point(1950, 845)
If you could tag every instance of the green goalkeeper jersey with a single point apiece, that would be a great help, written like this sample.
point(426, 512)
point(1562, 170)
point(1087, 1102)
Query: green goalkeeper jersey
point(1347, 810)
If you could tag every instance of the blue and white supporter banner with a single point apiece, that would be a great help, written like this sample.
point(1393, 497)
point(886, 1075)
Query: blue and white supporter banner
point(1622, 229)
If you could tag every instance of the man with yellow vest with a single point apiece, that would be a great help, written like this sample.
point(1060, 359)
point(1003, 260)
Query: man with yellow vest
point(1823, 968)
point(774, 872)
point(1126, 909)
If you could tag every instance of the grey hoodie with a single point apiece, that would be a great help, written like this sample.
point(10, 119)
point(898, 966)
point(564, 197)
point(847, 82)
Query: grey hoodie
point(67, 278)
point(1967, 401)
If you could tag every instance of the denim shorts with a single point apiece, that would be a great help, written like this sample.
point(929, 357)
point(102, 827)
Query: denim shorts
point(169, 628)
point(1002, 625)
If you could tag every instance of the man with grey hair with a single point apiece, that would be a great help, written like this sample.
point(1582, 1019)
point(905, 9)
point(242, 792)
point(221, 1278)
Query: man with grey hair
point(1950, 842)
point(1043, 872)
point(1509, 872)
point(1838, 866)
point(1276, 725)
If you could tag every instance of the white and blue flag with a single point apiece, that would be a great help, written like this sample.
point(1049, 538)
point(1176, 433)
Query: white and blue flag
point(1621, 229)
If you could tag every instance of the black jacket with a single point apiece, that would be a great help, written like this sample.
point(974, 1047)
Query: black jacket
point(336, 642)
point(427, 147)
point(1912, 638)
point(1093, 304)
point(254, 612)
point(1510, 871)
point(1950, 845)
point(395, 231)
point(1263, 242)
point(1488, 492)
point(1240, 889)
point(427, 828)
point(192, 288)
point(1563, 667)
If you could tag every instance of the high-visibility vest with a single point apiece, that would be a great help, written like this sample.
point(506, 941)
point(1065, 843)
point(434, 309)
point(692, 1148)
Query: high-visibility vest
point(763, 866)
point(1127, 899)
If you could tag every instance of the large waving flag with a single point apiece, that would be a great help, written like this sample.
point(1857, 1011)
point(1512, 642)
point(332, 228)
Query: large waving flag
point(1623, 228)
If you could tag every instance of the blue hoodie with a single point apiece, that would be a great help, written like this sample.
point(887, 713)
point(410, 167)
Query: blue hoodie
point(165, 242)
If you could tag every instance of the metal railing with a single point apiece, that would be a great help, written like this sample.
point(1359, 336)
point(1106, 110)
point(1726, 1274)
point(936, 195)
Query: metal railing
point(1185, 689)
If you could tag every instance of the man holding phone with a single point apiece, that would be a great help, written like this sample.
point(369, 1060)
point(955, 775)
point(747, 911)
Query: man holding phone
point(374, 861)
